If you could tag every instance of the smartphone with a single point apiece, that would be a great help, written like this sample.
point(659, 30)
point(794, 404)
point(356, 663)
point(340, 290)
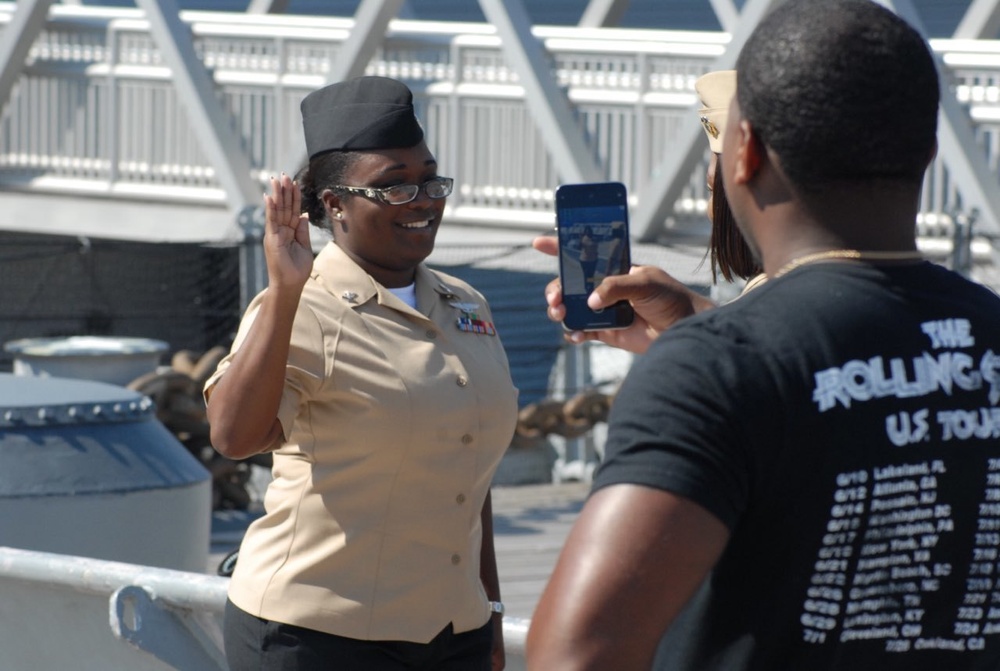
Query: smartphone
point(592, 226)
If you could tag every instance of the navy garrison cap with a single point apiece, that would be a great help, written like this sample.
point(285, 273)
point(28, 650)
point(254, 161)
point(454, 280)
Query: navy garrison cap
point(358, 114)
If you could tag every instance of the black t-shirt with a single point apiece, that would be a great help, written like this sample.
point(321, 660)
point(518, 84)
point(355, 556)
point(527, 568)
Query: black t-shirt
point(844, 422)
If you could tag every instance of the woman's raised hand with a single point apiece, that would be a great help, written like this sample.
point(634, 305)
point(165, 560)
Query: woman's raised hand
point(286, 235)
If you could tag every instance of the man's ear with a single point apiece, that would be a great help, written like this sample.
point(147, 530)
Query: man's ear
point(748, 152)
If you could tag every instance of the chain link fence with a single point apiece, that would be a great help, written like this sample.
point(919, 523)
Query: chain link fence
point(184, 294)
point(188, 295)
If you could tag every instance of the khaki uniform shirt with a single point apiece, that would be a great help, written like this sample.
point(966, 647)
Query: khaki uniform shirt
point(395, 422)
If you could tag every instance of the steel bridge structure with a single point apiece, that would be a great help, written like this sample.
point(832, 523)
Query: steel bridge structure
point(155, 124)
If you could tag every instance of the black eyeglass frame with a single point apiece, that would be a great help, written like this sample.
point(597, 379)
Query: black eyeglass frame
point(380, 195)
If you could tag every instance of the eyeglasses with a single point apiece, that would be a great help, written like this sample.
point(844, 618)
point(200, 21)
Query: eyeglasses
point(436, 188)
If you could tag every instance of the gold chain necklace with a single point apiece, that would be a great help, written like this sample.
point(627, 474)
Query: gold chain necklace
point(850, 254)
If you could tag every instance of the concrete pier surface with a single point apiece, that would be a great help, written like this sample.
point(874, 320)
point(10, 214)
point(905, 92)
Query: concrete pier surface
point(530, 525)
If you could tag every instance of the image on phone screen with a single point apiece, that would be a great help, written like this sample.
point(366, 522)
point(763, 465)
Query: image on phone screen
point(593, 244)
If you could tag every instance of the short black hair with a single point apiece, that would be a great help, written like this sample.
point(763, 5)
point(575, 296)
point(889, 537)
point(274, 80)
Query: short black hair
point(840, 90)
point(323, 171)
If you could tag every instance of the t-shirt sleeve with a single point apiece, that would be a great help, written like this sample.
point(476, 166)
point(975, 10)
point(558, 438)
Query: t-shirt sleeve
point(676, 425)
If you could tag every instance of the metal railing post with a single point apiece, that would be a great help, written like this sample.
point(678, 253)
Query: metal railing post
point(253, 268)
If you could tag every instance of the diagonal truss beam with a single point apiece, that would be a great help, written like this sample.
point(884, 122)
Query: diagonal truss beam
point(727, 14)
point(980, 22)
point(16, 40)
point(281, 7)
point(658, 197)
point(371, 22)
point(554, 116)
point(956, 139)
point(268, 6)
point(197, 92)
point(609, 13)
point(603, 13)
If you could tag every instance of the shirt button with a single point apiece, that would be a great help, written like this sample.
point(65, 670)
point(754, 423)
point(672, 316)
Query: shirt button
point(455, 559)
point(461, 381)
point(460, 498)
point(431, 334)
point(467, 439)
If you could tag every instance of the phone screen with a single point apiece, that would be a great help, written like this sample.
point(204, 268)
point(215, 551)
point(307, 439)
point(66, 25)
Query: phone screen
point(592, 223)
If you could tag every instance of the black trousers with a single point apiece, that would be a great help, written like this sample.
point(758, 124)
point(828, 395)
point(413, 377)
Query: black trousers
point(253, 644)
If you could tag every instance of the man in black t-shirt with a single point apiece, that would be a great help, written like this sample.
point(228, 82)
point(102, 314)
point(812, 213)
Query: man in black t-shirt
point(807, 478)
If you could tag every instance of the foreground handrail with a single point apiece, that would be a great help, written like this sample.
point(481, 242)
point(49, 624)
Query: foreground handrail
point(146, 599)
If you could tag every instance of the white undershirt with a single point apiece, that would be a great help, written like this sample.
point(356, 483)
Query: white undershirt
point(407, 294)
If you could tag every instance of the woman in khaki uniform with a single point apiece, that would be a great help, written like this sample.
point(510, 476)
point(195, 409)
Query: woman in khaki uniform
point(384, 393)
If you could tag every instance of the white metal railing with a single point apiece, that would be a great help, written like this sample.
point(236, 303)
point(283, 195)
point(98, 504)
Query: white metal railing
point(96, 110)
point(69, 612)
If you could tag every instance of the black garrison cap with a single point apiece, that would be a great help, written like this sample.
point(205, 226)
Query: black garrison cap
point(361, 113)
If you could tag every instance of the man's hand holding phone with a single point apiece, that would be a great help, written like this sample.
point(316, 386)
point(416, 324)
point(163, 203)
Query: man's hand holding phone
point(658, 299)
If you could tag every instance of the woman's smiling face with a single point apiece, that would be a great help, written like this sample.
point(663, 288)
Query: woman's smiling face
point(388, 241)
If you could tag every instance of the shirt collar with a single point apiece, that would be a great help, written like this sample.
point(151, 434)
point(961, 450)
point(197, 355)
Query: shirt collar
point(345, 280)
